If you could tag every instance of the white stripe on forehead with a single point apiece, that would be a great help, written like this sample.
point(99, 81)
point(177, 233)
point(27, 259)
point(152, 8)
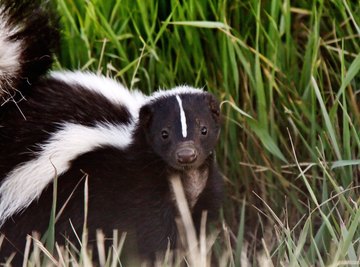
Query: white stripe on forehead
point(182, 117)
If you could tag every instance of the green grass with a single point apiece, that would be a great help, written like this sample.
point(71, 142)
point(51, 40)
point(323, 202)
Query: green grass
point(288, 73)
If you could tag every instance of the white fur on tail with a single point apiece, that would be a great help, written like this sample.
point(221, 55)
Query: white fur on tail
point(10, 52)
point(26, 182)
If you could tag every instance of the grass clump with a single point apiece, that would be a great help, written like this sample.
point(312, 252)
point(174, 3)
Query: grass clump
point(288, 75)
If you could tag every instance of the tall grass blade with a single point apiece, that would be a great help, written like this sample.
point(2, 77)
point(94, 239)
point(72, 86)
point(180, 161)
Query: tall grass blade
point(328, 123)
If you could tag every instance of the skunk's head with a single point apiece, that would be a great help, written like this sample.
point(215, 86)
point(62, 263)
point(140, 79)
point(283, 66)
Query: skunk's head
point(182, 126)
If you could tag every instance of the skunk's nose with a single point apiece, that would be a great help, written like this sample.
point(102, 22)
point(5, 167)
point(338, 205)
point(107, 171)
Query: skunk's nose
point(186, 155)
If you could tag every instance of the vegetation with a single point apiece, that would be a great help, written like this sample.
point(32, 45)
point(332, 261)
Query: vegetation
point(287, 73)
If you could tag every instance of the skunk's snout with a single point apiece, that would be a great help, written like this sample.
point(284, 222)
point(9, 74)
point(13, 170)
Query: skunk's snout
point(186, 154)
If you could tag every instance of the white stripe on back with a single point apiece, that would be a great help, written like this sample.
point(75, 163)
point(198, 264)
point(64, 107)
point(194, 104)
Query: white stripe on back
point(26, 182)
point(106, 87)
point(182, 117)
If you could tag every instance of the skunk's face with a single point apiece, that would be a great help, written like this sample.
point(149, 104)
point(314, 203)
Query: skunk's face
point(182, 129)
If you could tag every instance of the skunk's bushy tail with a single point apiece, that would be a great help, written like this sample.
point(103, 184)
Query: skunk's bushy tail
point(28, 38)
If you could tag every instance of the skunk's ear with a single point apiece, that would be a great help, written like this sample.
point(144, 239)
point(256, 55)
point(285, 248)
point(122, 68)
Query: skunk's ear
point(145, 115)
point(214, 106)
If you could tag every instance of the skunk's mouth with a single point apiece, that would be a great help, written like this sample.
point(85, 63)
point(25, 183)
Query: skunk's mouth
point(182, 167)
point(185, 166)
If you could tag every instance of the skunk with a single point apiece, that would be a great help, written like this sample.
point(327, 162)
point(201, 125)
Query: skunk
point(76, 128)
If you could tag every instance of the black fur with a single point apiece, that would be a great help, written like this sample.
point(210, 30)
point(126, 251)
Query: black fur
point(128, 188)
point(49, 103)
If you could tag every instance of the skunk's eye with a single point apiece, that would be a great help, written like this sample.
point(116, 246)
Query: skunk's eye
point(164, 134)
point(204, 130)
